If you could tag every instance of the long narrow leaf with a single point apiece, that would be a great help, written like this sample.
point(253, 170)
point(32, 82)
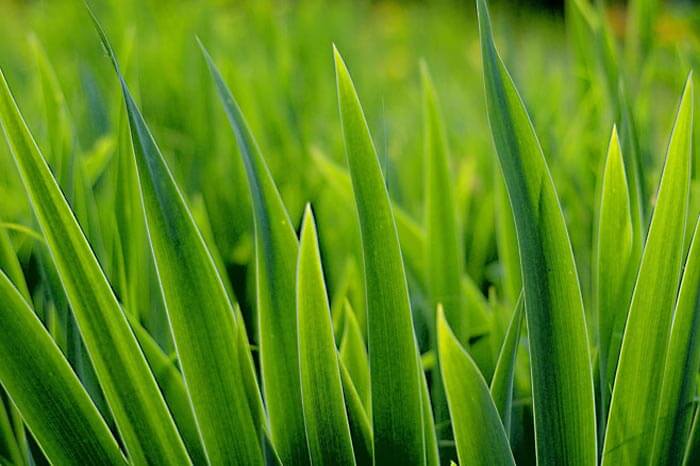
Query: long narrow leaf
point(637, 388)
point(325, 417)
point(131, 391)
point(46, 391)
point(502, 383)
point(562, 382)
point(682, 364)
point(479, 434)
point(206, 344)
point(276, 249)
point(614, 267)
point(396, 396)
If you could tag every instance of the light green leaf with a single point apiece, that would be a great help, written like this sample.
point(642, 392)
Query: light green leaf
point(131, 391)
point(615, 266)
point(353, 353)
point(276, 249)
point(206, 343)
point(681, 369)
point(360, 427)
point(174, 391)
point(396, 390)
point(326, 421)
point(443, 250)
point(479, 434)
point(562, 381)
point(504, 374)
point(637, 388)
point(47, 393)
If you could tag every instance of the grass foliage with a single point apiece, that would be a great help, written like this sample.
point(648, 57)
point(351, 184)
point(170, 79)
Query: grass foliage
point(217, 247)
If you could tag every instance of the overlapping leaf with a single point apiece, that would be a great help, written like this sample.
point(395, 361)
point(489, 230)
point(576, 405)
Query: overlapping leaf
point(395, 384)
point(562, 381)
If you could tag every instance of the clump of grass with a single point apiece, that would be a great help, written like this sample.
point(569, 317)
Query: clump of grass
point(140, 326)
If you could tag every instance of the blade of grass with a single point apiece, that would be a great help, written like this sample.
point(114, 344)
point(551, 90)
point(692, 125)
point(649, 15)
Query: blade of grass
point(353, 353)
point(681, 369)
point(443, 254)
point(325, 417)
point(206, 345)
point(395, 383)
point(131, 391)
point(174, 391)
point(502, 383)
point(47, 393)
point(276, 248)
point(360, 427)
point(479, 434)
point(614, 267)
point(636, 392)
point(562, 381)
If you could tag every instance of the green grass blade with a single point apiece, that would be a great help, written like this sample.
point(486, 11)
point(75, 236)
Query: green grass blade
point(396, 396)
point(206, 345)
point(131, 391)
point(10, 264)
point(507, 242)
point(432, 454)
point(174, 391)
point(636, 392)
point(276, 248)
point(353, 353)
point(562, 381)
point(682, 364)
point(479, 434)
point(614, 267)
point(443, 254)
point(360, 427)
point(44, 388)
point(504, 374)
point(326, 420)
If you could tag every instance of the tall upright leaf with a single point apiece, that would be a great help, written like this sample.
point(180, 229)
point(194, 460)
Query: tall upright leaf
point(326, 420)
point(131, 391)
point(47, 393)
point(443, 255)
point(636, 392)
point(276, 247)
point(502, 383)
point(353, 353)
point(682, 363)
point(479, 434)
point(614, 267)
point(394, 370)
point(562, 382)
point(206, 345)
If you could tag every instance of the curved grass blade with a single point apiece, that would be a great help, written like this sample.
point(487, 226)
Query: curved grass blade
point(360, 428)
point(614, 267)
point(504, 374)
point(11, 266)
point(636, 392)
point(276, 249)
point(354, 355)
point(129, 387)
point(681, 368)
point(326, 420)
point(562, 381)
point(479, 434)
point(395, 383)
point(47, 393)
point(206, 345)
